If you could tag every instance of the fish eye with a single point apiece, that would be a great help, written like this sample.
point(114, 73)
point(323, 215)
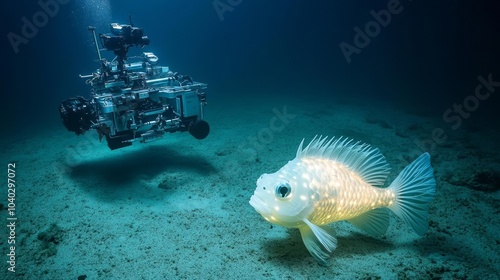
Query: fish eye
point(283, 189)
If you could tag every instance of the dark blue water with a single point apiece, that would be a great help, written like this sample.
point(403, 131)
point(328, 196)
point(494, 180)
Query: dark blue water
point(426, 56)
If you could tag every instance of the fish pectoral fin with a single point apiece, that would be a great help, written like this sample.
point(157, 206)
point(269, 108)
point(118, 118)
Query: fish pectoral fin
point(319, 240)
point(374, 222)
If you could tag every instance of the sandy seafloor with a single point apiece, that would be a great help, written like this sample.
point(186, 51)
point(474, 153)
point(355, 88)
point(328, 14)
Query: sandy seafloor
point(178, 208)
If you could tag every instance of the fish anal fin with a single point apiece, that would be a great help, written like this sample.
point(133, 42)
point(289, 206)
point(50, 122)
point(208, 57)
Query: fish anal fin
point(319, 241)
point(374, 222)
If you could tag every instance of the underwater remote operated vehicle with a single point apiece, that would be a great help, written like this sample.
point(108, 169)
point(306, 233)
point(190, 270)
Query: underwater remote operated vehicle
point(135, 101)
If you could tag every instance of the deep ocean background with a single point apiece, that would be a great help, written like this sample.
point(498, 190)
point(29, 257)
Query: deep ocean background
point(426, 59)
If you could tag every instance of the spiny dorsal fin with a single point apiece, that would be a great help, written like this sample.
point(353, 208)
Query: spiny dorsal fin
point(361, 158)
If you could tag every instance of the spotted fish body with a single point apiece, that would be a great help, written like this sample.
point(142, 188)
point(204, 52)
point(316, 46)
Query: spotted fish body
point(343, 195)
point(334, 180)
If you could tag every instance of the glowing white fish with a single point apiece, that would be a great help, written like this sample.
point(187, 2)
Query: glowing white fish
point(335, 180)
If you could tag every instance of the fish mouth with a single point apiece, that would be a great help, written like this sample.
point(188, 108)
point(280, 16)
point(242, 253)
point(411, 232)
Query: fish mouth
point(259, 205)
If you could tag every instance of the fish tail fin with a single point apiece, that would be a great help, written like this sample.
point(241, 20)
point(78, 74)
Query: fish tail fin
point(414, 189)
